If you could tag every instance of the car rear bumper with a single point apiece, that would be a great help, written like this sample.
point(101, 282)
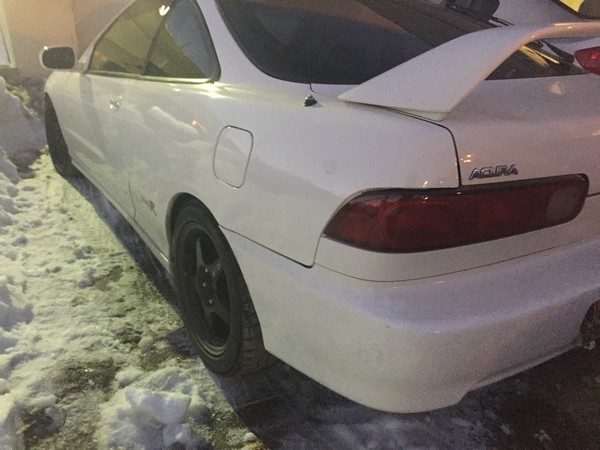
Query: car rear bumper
point(422, 344)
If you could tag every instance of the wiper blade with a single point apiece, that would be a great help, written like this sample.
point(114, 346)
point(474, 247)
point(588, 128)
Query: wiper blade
point(475, 14)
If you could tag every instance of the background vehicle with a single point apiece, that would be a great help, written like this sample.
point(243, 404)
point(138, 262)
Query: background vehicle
point(546, 11)
point(515, 12)
point(551, 11)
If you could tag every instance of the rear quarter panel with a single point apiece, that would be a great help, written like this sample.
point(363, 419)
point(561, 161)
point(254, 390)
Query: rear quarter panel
point(305, 161)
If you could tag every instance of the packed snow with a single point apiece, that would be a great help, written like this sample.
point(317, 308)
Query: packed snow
point(64, 329)
point(93, 353)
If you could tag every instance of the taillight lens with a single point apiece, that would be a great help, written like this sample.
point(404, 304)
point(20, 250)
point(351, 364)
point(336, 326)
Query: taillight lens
point(589, 59)
point(401, 221)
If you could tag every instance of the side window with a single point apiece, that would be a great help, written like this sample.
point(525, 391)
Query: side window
point(183, 48)
point(124, 47)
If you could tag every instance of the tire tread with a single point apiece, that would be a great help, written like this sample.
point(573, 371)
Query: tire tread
point(251, 355)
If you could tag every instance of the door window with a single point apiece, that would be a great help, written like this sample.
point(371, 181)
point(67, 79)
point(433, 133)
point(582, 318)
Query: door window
point(124, 47)
point(183, 48)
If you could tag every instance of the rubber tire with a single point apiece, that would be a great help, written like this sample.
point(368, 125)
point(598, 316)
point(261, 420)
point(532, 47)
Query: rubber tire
point(230, 350)
point(59, 153)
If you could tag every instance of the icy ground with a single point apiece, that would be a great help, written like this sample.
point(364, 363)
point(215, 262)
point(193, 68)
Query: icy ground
point(93, 353)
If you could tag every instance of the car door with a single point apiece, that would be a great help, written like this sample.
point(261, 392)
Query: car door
point(171, 130)
point(117, 61)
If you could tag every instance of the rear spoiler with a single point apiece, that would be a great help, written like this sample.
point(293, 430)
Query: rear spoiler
point(432, 84)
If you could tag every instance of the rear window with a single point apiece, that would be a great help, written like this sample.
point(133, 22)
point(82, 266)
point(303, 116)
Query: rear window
point(585, 8)
point(351, 41)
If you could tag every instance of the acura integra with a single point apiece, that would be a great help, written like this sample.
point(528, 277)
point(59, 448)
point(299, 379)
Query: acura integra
point(397, 199)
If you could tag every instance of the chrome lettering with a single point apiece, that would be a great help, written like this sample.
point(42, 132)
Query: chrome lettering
point(492, 172)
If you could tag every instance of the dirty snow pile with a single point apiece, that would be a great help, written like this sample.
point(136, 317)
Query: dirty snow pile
point(91, 355)
point(21, 133)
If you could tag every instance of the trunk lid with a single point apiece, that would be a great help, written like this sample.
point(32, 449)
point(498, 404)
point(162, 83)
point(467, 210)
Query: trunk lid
point(532, 128)
point(528, 124)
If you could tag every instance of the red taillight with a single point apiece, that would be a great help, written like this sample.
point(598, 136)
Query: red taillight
point(589, 59)
point(401, 221)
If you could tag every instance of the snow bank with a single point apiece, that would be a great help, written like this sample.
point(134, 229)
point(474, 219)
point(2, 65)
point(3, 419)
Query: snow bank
point(78, 319)
point(8, 175)
point(154, 409)
point(13, 307)
point(7, 422)
point(22, 133)
point(13, 310)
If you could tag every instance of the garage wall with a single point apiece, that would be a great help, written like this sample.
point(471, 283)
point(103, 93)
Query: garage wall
point(29, 25)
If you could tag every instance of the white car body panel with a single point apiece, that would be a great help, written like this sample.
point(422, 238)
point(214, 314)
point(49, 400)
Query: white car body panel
point(423, 344)
point(435, 82)
point(545, 127)
point(280, 187)
point(399, 332)
point(96, 150)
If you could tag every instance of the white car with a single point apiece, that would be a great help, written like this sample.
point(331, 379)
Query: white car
point(398, 200)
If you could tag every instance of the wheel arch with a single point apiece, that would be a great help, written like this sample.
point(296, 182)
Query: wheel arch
point(177, 203)
point(185, 214)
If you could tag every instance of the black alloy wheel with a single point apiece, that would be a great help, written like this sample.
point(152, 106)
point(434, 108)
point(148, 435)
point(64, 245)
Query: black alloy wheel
point(214, 300)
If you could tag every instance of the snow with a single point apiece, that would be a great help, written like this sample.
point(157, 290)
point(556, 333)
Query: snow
point(22, 132)
point(59, 310)
point(93, 353)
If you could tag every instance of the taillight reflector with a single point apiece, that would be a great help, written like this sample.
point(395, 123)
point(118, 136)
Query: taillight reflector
point(589, 59)
point(401, 221)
